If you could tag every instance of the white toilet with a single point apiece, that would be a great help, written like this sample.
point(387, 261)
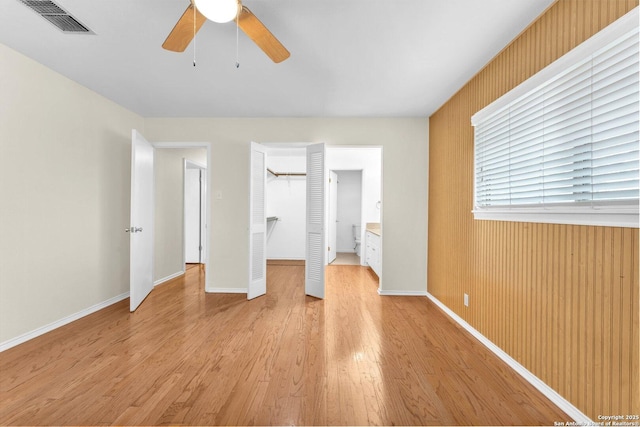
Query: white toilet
point(356, 237)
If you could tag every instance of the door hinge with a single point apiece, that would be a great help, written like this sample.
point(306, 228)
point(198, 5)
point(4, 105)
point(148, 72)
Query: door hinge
point(329, 248)
point(200, 248)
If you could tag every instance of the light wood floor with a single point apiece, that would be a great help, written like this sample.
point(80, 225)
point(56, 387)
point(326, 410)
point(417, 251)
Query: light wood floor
point(189, 358)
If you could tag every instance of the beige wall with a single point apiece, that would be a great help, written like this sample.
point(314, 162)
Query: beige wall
point(65, 188)
point(404, 185)
point(169, 208)
point(64, 196)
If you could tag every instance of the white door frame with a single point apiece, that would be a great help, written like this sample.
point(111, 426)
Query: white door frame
point(207, 145)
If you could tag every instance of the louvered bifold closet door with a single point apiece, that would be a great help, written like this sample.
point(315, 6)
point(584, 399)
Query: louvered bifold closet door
point(257, 222)
point(315, 243)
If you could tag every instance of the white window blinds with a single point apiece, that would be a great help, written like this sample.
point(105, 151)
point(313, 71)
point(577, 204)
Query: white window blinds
point(569, 138)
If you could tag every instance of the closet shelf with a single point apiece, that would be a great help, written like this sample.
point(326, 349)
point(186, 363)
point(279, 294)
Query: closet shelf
point(277, 174)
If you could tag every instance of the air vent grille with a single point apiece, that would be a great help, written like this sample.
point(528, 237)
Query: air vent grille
point(44, 7)
point(66, 23)
point(57, 16)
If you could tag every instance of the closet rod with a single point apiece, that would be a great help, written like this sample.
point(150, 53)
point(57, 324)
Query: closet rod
point(277, 174)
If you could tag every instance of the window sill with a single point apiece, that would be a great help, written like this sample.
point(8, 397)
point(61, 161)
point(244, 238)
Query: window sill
point(628, 219)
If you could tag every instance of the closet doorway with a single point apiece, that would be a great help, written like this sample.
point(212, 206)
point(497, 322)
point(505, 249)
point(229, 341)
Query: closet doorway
point(314, 223)
point(285, 201)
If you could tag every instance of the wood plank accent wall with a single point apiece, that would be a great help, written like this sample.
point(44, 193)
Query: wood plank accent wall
point(562, 300)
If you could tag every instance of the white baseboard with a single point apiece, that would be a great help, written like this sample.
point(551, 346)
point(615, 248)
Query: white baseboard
point(58, 323)
point(402, 293)
point(226, 290)
point(167, 278)
point(562, 403)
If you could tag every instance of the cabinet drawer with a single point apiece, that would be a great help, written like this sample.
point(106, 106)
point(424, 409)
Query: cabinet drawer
point(372, 254)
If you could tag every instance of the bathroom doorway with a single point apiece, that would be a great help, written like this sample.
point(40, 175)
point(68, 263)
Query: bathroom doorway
point(345, 217)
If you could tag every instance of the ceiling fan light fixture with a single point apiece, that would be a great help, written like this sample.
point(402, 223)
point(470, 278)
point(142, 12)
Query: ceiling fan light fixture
point(220, 11)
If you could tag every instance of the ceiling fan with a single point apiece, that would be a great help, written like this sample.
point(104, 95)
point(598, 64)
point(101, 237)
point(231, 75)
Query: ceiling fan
point(223, 11)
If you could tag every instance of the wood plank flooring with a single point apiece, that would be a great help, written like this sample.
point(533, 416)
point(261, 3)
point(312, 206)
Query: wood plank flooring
point(186, 357)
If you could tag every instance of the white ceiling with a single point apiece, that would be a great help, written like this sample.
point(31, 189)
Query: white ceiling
point(353, 58)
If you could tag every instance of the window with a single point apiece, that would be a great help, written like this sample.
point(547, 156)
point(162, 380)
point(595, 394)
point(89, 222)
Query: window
point(563, 147)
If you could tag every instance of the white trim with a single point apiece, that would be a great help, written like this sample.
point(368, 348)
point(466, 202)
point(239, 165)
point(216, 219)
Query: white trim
point(167, 278)
point(550, 393)
point(599, 40)
point(226, 290)
point(630, 220)
point(383, 292)
point(58, 323)
point(196, 164)
point(181, 144)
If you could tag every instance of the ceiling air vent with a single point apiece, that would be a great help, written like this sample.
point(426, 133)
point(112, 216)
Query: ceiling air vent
point(57, 16)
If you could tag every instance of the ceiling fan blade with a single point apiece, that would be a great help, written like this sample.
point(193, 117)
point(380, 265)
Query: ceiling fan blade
point(183, 32)
point(261, 36)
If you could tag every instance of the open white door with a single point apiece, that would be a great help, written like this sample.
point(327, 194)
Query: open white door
point(194, 212)
point(257, 222)
point(315, 250)
point(192, 201)
point(333, 215)
point(141, 226)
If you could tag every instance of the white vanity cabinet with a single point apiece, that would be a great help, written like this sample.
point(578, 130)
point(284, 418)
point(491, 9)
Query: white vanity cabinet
point(372, 254)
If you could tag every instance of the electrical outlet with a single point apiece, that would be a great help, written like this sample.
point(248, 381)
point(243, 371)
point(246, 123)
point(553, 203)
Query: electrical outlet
point(466, 300)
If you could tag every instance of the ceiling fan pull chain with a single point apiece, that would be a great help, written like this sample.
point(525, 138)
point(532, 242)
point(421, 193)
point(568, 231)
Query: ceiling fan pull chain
point(194, 35)
point(237, 49)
